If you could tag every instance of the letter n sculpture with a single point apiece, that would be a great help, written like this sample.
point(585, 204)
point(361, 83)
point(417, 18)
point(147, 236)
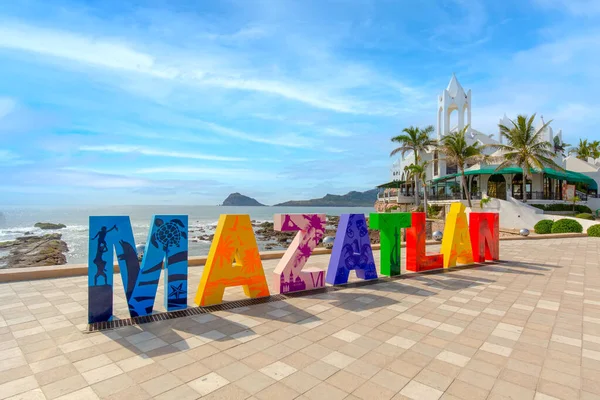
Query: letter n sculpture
point(289, 275)
point(351, 251)
point(485, 236)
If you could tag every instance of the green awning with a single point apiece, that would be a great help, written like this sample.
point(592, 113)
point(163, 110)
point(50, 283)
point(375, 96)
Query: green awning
point(569, 176)
point(391, 185)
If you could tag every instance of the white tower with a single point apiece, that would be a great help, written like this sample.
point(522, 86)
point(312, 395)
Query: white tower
point(453, 98)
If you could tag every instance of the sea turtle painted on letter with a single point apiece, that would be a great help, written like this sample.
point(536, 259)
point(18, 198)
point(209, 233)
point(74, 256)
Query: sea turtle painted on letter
point(168, 234)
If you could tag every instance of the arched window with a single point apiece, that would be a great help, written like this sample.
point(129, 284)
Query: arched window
point(517, 187)
point(496, 186)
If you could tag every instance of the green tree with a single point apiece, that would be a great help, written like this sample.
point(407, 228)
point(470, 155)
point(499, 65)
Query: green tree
point(582, 151)
point(419, 171)
point(415, 140)
point(560, 146)
point(525, 147)
point(595, 149)
point(457, 151)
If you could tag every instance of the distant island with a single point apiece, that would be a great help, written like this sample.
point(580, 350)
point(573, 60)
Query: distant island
point(237, 199)
point(350, 199)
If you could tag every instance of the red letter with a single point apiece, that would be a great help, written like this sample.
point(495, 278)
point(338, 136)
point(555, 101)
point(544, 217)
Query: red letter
point(416, 258)
point(484, 229)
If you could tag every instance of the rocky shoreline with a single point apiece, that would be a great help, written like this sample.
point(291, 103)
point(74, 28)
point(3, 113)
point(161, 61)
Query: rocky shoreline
point(34, 251)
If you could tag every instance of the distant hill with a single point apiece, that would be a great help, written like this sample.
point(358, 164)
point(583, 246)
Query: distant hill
point(350, 199)
point(237, 199)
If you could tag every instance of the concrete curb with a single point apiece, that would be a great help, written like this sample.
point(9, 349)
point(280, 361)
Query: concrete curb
point(72, 270)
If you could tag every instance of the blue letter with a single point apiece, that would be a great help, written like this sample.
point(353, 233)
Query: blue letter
point(167, 240)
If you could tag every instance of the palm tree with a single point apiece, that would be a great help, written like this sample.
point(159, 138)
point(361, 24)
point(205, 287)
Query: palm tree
point(416, 140)
point(560, 146)
point(582, 151)
point(457, 151)
point(595, 149)
point(419, 171)
point(526, 148)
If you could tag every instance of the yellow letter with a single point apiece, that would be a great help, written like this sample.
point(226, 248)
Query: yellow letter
point(456, 244)
point(233, 260)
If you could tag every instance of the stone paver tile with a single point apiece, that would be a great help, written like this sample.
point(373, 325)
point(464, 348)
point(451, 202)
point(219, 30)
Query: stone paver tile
point(463, 390)
point(161, 384)
point(434, 379)
point(64, 386)
point(390, 380)
point(496, 349)
point(35, 394)
point(146, 373)
point(17, 386)
point(338, 359)
point(512, 390)
point(92, 363)
point(131, 393)
point(102, 373)
point(255, 382)
point(113, 385)
point(183, 392)
point(345, 381)
point(325, 391)
point(418, 391)
point(278, 370)
point(277, 391)
point(82, 394)
point(475, 378)
point(301, 382)
point(370, 390)
point(49, 363)
point(453, 358)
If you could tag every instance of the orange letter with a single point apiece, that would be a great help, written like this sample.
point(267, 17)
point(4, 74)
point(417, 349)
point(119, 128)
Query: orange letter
point(485, 236)
point(233, 260)
point(456, 244)
point(416, 257)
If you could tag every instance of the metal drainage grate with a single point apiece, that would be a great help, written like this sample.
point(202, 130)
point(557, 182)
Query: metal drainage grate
point(230, 305)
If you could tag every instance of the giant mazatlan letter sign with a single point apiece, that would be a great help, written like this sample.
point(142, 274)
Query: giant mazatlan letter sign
point(167, 244)
point(234, 259)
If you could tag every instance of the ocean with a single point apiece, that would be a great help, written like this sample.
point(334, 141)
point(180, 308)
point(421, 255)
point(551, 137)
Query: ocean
point(16, 221)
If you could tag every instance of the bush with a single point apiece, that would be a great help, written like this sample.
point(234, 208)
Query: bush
point(594, 230)
point(579, 208)
point(585, 216)
point(543, 227)
point(567, 226)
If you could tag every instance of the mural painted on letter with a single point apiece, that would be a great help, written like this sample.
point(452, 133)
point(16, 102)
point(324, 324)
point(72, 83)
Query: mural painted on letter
point(167, 240)
point(289, 274)
point(351, 251)
point(233, 260)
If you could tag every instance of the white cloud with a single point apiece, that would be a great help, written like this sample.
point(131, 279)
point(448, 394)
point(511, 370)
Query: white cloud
point(177, 66)
point(101, 52)
point(204, 172)
point(124, 149)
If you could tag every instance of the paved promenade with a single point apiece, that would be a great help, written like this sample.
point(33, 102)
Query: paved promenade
point(526, 328)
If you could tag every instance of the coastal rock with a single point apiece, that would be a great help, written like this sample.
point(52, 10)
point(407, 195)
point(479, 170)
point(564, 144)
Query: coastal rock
point(237, 199)
point(49, 225)
point(350, 199)
point(34, 251)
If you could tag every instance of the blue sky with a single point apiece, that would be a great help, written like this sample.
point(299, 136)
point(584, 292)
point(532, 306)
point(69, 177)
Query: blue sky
point(183, 102)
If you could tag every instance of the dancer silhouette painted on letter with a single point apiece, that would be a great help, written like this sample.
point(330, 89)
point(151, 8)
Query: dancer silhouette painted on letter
point(101, 248)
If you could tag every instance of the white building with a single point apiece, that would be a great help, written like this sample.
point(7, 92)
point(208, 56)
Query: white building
point(454, 113)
